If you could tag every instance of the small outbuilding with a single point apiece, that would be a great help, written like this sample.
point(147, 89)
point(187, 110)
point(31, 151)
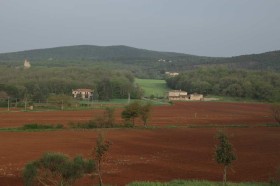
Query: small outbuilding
point(196, 97)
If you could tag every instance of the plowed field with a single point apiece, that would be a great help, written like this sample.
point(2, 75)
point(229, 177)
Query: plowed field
point(179, 114)
point(160, 154)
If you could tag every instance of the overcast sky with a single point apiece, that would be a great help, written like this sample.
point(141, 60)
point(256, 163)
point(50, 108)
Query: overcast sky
point(200, 27)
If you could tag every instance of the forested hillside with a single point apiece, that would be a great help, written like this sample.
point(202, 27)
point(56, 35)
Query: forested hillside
point(257, 85)
point(142, 63)
point(87, 52)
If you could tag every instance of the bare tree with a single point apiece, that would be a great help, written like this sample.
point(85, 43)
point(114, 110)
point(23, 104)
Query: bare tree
point(99, 153)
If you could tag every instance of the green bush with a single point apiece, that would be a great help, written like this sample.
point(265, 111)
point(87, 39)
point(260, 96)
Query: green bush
point(29, 172)
point(107, 120)
point(128, 124)
point(3, 103)
point(35, 126)
point(56, 169)
point(86, 125)
point(275, 181)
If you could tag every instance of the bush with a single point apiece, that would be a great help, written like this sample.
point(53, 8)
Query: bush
point(35, 126)
point(275, 181)
point(56, 169)
point(128, 124)
point(3, 103)
point(29, 173)
point(86, 125)
point(107, 120)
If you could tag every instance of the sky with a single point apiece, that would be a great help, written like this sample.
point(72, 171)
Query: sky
point(220, 28)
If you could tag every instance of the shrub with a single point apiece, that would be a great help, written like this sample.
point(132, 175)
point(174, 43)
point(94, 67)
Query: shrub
point(86, 125)
point(35, 126)
point(56, 169)
point(128, 124)
point(275, 181)
point(107, 120)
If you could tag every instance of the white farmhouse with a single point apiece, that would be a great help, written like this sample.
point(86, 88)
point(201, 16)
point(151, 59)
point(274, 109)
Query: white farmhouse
point(85, 94)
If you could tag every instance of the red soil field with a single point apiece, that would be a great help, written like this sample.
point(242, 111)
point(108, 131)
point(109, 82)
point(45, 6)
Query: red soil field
point(161, 154)
point(149, 155)
point(187, 113)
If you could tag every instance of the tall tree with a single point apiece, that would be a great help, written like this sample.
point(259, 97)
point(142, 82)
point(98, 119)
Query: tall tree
point(145, 113)
point(104, 89)
point(131, 111)
point(224, 153)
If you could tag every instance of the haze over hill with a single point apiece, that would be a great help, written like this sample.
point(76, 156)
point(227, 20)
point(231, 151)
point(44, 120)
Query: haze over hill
point(134, 59)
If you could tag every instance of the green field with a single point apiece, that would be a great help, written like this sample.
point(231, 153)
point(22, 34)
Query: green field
point(193, 183)
point(157, 88)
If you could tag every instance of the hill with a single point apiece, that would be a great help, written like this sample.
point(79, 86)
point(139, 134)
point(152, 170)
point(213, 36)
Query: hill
point(88, 52)
point(264, 61)
point(142, 63)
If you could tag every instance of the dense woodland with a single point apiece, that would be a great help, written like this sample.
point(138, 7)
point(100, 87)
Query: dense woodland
point(38, 83)
point(259, 85)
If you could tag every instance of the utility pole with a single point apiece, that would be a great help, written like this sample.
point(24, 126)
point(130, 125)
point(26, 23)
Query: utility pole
point(8, 103)
point(128, 99)
point(25, 103)
point(92, 101)
point(62, 105)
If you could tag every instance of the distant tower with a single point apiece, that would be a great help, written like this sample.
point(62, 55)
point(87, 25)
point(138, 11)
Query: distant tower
point(26, 64)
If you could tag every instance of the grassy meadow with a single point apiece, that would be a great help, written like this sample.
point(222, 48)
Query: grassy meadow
point(193, 183)
point(155, 87)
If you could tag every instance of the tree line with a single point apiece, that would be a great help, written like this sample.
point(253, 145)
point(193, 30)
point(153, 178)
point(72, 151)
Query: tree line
point(259, 85)
point(39, 83)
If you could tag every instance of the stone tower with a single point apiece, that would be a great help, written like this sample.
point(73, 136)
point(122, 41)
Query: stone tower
point(26, 64)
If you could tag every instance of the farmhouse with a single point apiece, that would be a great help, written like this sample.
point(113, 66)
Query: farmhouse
point(85, 94)
point(178, 95)
point(172, 74)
